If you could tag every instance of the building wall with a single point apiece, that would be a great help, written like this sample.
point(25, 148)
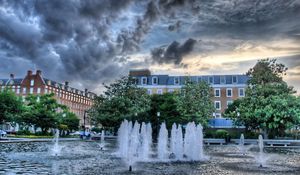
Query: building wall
point(166, 83)
point(77, 101)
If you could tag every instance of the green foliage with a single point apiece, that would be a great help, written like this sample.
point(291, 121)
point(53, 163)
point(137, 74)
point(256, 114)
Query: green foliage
point(68, 121)
point(23, 132)
point(97, 130)
point(221, 133)
point(121, 100)
point(269, 104)
point(266, 71)
point(194, 102)
point(10, 106)
point(41, 111)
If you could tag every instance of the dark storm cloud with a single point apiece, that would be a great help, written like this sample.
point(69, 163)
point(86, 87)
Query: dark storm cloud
point(173, 53)
point(85, 40)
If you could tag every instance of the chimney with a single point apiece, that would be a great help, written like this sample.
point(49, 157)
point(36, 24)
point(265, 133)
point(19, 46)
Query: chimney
point(38, 72)
point(85, 90)
point(66, 83)
point(29, 72)
point(12, 76)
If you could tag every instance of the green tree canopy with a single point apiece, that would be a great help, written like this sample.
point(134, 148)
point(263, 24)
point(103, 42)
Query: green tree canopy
point(121, 100)
point(194, 102)
point(10, 106)
point(41, 111)
point(269, 104)
point(68, 121)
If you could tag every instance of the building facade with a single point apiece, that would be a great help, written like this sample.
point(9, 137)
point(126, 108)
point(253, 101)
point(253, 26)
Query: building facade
point(78, 101)
point(226, 88)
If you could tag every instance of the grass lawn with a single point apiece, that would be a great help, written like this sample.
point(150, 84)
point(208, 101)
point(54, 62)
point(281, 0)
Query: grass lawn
point(37, 137)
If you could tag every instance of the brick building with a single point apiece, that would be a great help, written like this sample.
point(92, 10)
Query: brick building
point(226, 88)
point(78, 101)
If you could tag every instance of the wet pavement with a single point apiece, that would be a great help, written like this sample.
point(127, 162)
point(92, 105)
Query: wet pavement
point(86, 157)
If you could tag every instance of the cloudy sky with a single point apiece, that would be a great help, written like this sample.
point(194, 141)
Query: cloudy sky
point(91, 42)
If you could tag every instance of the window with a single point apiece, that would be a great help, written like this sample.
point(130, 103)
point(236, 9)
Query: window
point(229, 92)
point(31, 91)
point(229, 103)
point(218, 105)
point(218, 115)
point(199, 79)
point(170, 90)
point(38, 90)
point(176, 80)
point(234, 79)
point(241, 92)
point(13, 88)
point(24, 90)
point(159, 91)
point(31, 82)
point(211, 80)
point(222, 79)
point(18, 91)
point(154, 80)
point(45, 91)
point(217, 93)
point(144, 80)
point(149, 91)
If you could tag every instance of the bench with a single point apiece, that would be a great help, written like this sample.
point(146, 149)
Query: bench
point(284, 143)
point(214, 141)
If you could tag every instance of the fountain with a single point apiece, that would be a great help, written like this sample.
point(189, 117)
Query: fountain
point(102, 140)
point(56, 148)
point(162, 145)
point(261, 159)
point(242, 145)
point(135, 143)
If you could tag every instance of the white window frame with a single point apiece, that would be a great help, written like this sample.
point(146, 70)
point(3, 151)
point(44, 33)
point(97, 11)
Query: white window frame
point(159, 91)
point(170, 90)
point(229, 102)
point(24, 90)
point(216, 93)
point(236, 78)
point(219, 105)
point(38, 90)
point(243, 92)
point(45, 91)
point(153, 78)
point(218, 115)
point(227, 89)
point(18, 90)
point(142, 82)
point(149, 91)
point(176, 78)
point(32, 82)
point(31, 90)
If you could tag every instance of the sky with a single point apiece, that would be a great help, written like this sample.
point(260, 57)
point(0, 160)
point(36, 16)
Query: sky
point(91, 42)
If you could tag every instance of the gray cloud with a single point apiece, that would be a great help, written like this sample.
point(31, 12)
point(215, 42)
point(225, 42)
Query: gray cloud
point(173, 53)
point(85, 41)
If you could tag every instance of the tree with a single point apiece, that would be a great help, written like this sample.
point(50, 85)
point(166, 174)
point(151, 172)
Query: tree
point(42, 111)
point(269, 104)
point(68, 121)
point(194, 102)
point(10, 106)
point(121, 100)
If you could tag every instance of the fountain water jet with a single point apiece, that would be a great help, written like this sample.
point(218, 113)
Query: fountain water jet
point(56, 148)
point(261, 149)
point(162, 147)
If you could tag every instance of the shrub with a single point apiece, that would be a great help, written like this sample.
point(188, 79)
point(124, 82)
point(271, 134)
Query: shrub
point(97, 130)
point(23, 132)
point(221, 133)
point(43, 134)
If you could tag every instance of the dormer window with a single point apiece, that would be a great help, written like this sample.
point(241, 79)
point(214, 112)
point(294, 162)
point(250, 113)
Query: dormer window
point(176, 80)
point(234, 79)
point(154, 80)
point(222, 79)
point(49, 82)
point(211, 80)
point(144, 80)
